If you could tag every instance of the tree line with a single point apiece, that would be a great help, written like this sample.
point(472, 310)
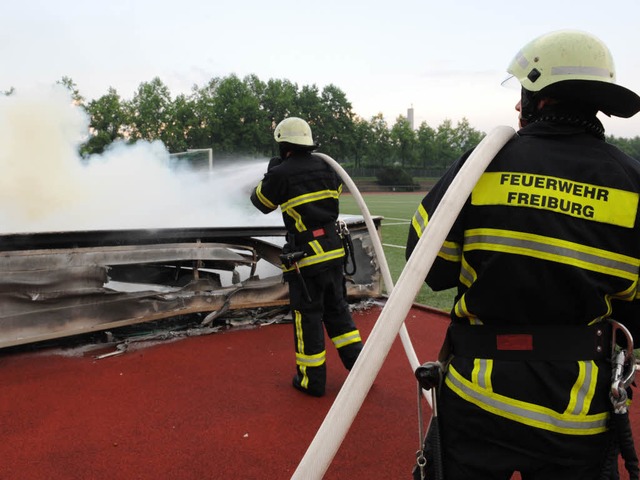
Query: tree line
point(233, 115)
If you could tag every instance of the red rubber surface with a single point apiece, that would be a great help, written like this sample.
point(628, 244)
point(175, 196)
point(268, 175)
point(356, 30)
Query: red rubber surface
point(213, 407)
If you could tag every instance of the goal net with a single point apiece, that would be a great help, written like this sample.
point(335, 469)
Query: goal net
point(196, 159)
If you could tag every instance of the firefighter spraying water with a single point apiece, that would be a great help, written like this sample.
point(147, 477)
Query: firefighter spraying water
point(316, 253)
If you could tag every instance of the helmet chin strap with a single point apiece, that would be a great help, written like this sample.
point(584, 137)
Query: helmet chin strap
point(285, 150)
point(536, 108)
point(528, 107)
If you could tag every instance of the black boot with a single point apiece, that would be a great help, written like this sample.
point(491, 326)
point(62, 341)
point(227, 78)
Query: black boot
point(314, 392)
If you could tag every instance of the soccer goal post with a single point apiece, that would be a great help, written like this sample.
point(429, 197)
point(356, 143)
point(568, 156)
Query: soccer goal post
point(194, 159)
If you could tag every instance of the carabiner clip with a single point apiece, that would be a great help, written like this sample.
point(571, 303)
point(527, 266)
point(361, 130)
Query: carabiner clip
point(623, 368)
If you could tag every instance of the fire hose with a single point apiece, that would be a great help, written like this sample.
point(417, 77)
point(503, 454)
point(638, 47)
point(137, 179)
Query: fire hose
point(377, 247)
point(334, 428)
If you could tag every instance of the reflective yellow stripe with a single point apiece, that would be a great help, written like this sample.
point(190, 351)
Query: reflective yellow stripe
point(264, 200)
point(307, 198)
point(468, 274)
point(302, 360)
point(581, 200)
point(316, 247)
point(481, 373)
point(297, 218)
point(315, 259)
point(450, 251)
point(311, 360)
point(297, 320)
point(584, 388)
point(523, 412)
point(346, 339)
point(461, 310)
point(304, 381)
point(552, 249)
point(420, 220)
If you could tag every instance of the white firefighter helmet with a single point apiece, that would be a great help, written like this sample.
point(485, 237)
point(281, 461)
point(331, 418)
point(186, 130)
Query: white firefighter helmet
point(575, 65)
point(295, 131)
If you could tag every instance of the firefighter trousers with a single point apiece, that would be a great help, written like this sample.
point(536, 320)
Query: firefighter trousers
point(479, 443)
point(327, 309)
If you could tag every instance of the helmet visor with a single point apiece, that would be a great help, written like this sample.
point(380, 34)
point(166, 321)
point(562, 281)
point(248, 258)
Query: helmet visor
point(511, 82)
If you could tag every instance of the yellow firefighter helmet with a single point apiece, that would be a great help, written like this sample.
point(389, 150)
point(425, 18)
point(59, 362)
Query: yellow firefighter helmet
point(573, 65)
point(295, 131)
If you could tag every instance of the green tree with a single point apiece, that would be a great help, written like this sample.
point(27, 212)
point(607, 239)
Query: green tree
point(380, 141)
point(309, 107)
point(362, 140)
point(337, 124)
point(150, 111)
point(466, 137)
point(278, 98)
point(426, 149)
point(183, 122)
point(446, 144)
point(108, 122)
point(237, 112)
point(403, 139)
point(204, 136)
point(630, 146)
point(70, 85)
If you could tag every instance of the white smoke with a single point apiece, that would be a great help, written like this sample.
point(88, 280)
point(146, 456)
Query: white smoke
point(46, 186)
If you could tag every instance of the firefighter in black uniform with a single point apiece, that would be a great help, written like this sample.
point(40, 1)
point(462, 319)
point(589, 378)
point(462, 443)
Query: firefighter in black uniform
point(307, 189)
point(548, 239)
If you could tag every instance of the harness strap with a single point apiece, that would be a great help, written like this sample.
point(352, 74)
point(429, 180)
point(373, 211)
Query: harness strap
point(328, 230)
point(530, 343)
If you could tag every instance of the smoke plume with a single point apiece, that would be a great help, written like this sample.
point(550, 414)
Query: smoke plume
point(46, 186)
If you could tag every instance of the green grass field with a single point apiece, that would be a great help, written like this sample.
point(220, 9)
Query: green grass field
point(397, 210)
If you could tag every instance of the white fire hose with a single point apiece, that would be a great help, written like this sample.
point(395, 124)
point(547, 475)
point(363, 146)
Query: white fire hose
point(336, 424)
point(377, 247)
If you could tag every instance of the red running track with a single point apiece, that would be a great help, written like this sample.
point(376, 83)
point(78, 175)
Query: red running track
point(211, 407)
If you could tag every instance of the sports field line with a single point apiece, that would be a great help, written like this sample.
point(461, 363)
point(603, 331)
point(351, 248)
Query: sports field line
point(404, 222)
point(394, 246)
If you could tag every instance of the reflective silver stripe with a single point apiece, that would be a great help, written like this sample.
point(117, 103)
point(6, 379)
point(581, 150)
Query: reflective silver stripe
point(346, 339)
point(311, 360)
point(420, 220)
point(581, 70)
point(309, 197)
point(297, 318)
point(584, 389)
point(522, 60)
point(526, 413)
point(545, 250)
point(482, 372)
point(450, 251)
point(315, 259)
point(467, 274)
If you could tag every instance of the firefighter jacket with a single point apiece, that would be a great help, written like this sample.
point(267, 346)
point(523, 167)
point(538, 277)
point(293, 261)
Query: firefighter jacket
point(547, 240)
point(307, 190)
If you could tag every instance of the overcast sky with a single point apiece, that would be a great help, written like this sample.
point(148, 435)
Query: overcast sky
point(445, 58)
